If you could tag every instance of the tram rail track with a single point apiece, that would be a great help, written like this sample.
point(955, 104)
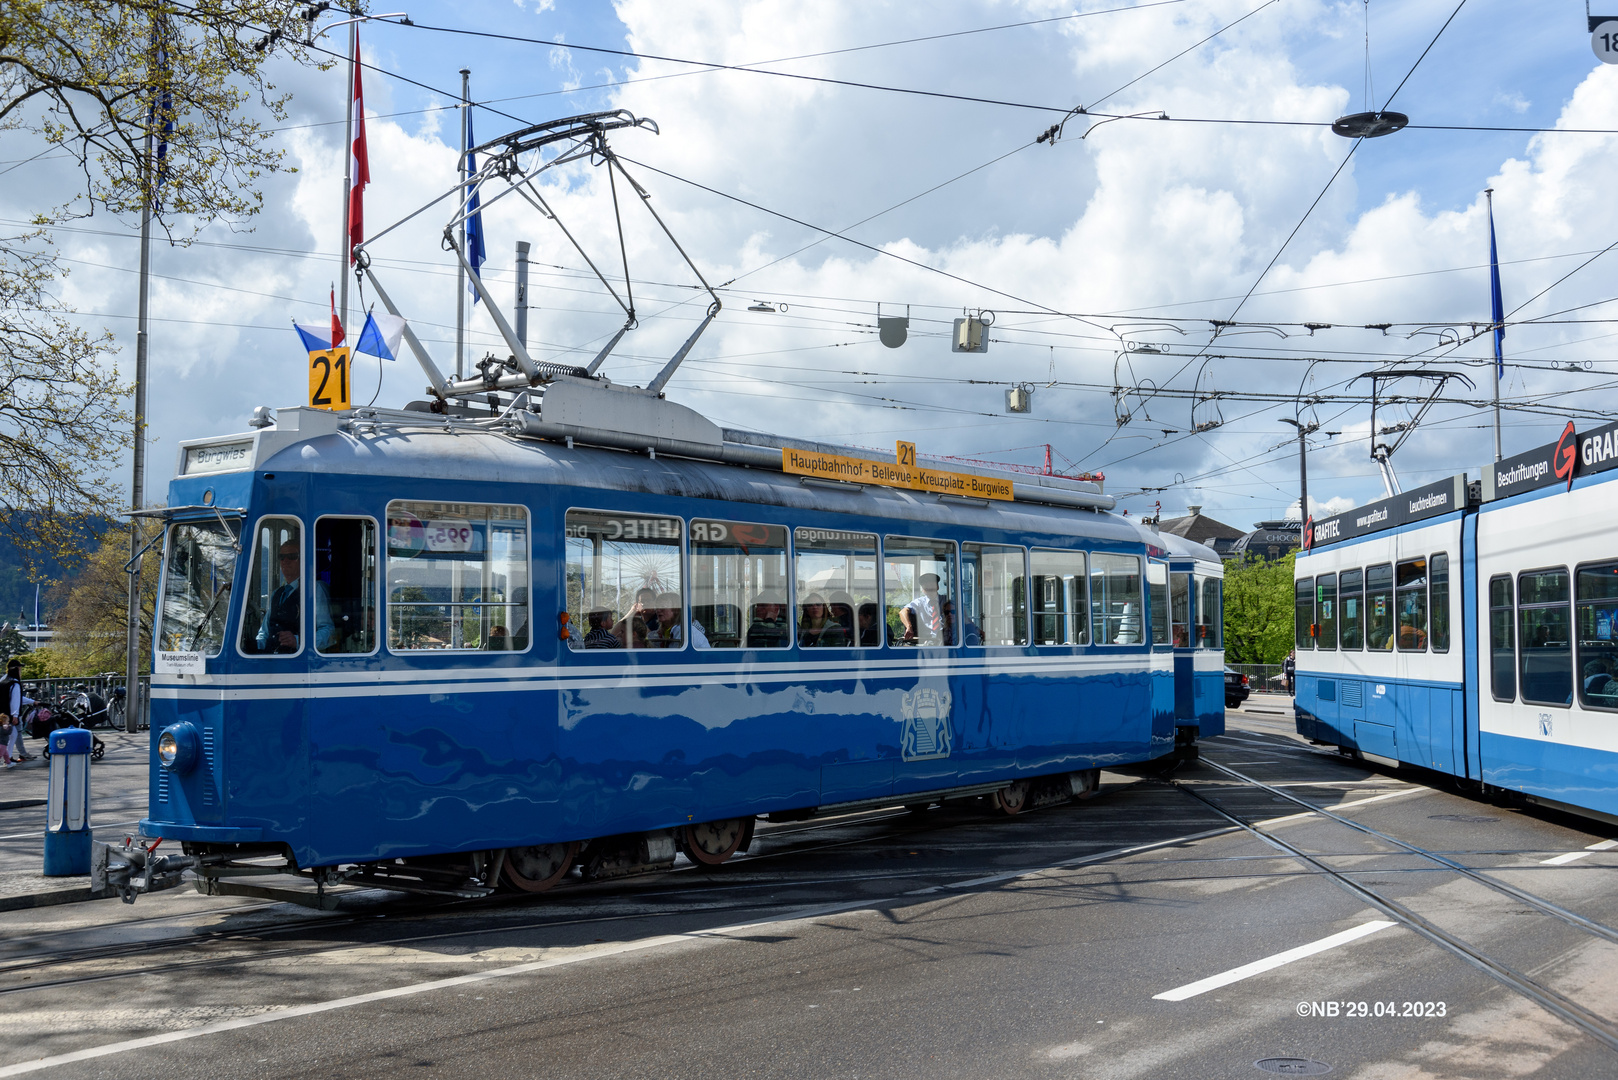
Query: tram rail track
point(1548, 998)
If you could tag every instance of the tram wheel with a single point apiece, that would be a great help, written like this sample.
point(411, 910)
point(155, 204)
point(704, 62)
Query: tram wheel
point(535, 869)
point(712, 842)
point(1013, 798)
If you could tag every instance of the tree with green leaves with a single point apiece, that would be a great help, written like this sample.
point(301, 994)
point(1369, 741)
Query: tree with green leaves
point(1258, 611)
point(104, 83)
point(91, 607)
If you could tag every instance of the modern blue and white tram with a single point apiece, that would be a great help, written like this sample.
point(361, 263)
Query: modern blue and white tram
point(1475, 631)
point(438, 652)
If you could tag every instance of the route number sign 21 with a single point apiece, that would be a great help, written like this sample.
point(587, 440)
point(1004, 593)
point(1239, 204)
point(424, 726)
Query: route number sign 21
point(329, 380)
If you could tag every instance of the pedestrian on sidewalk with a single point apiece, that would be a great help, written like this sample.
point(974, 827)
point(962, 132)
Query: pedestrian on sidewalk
point(12, 700)
point(1290, 666)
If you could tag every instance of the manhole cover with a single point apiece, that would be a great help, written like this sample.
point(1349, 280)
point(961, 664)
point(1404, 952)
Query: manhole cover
point(1479, 818)
point(1294, 1066)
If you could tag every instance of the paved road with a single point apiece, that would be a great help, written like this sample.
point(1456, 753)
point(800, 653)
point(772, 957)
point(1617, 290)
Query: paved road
point(948, 944)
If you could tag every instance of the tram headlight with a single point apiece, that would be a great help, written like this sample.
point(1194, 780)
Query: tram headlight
point(177, 748)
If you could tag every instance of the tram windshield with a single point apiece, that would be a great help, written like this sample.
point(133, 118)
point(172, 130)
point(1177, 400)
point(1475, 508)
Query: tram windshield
point(199, 569)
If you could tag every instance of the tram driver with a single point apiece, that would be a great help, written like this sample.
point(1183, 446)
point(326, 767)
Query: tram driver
point(282, 625)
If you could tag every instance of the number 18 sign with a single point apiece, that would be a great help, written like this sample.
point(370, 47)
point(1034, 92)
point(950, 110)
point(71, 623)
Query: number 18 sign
point(328, 380)
point(1604, 40)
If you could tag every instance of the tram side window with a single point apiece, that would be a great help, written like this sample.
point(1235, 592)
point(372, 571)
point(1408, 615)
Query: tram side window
point(197, 576)
point(1060, 606)
point(1351, 598)
point(1411, 588)
point(1157, 591)
point(1303, 613)
point(1210, 623)
point(1598, 636)
point(1326, 611)
point(738, 586)
point(1438, 576)
point(1180, 609)
point(1379, 608)
point(272, 615)
point(1544, 634)
point(457, 576)
point(919, 579)
point(838, 600)
point(623, 576)
point(1115, 599)
point(993, 595)
point(345, 571)
point(1502, 639)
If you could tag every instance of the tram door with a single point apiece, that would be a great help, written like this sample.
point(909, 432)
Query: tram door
point(1180, 601)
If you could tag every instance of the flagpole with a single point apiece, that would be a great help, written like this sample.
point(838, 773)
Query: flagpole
point(460, 272)
point(348, 177)
point(137, 483)
point(1497, 329)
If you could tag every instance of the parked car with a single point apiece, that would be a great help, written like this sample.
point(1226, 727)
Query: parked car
point(1236, 688)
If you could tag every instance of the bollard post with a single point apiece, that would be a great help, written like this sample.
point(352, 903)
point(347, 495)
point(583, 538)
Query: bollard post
point(67, 806)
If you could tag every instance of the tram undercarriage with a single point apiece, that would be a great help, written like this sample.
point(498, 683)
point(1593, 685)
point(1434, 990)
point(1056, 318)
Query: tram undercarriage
point(134, 867)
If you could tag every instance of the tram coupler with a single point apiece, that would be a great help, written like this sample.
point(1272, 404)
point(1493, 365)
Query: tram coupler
point(134, 867)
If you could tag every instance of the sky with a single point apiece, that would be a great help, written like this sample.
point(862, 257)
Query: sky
point(1222, 196)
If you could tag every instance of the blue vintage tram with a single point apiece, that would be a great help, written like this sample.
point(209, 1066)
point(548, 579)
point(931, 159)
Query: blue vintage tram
point(591, 628)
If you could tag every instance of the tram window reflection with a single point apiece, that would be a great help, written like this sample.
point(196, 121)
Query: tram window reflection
point(1598, 636)
point(836, 582)
point(345, 571)
point(1303, 614)
point(1060, 605)
point(455, 572)
point(621, 568)
point(1180, 609)
point(919, 580)
point(1351, 597)
point(1115, 599)
point(1411, 594)
point(197, 573)
point(1210, 623)
point(1438, 579)
point(993, 595)
point(738, 585)
point(1157, 591)
point(1544, 646)
point(1502, 639)
point(1379, 608)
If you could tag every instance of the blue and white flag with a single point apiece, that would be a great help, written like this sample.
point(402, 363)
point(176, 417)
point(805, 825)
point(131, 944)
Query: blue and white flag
point(312, 342)
point(474, 214)
point(381, 335)
point(1496, 309)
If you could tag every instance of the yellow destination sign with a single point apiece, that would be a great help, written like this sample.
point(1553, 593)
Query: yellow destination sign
point(888, 474)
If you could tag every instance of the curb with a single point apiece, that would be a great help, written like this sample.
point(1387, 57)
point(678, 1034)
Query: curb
point(21, 804)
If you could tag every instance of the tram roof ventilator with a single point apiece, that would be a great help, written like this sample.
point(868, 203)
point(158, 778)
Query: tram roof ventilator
point(528, 399)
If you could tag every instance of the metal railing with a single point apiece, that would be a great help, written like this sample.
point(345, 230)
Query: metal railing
point(51, 690)
point(1269, 678)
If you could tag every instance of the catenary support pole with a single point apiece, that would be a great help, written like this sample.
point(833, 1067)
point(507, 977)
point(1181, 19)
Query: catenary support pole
point(522, 292)
point(133, 703)
point(460, 273)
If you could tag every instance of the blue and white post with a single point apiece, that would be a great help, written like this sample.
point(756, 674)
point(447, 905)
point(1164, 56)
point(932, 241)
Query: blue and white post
point(67, 806)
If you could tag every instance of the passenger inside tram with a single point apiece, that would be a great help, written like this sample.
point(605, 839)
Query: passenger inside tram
point(600, 635)
point(870, 632)
point(769, 629)
point(816, 627)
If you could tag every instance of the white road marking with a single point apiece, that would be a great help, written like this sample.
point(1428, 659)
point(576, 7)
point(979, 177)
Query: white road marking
point(1573, 856)
point(1269, 963)
point(40, 832)
point(1252, 763)
point(1347, 805)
